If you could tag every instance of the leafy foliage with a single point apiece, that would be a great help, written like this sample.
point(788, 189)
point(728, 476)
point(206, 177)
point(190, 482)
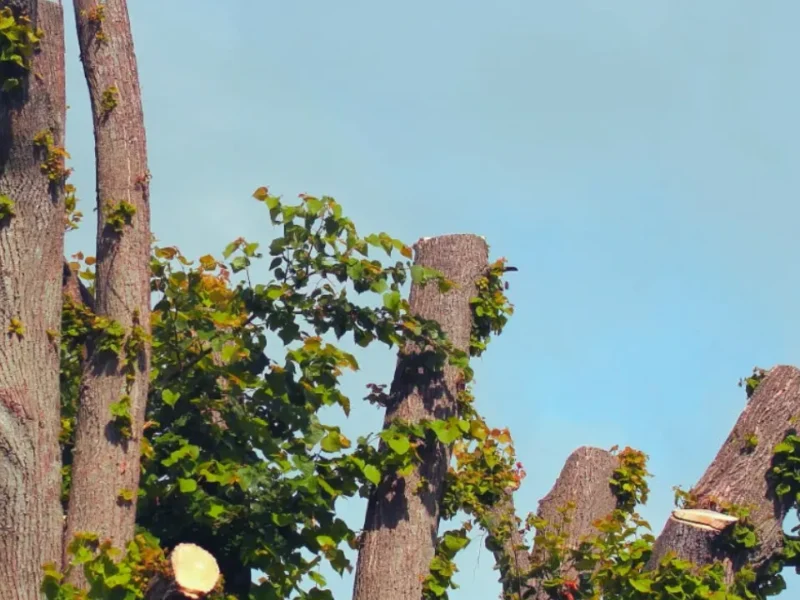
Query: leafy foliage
point(236, 457)
point(118, 215)
point(109, 100)
point(53, 157)
point(7, 211)
point(19, 40)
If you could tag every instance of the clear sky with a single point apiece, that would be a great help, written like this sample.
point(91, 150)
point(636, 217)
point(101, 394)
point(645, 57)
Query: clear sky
point(633, 159)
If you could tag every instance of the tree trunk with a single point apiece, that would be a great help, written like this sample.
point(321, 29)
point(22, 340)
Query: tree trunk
point(401, 525)
point(505, 541)
point(738, 475)
point(584, 484)
point(106, 456)
point(31, 249)
point(74, 289)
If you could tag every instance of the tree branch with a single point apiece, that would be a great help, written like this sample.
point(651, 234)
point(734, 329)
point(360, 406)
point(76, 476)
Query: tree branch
point(74, 288)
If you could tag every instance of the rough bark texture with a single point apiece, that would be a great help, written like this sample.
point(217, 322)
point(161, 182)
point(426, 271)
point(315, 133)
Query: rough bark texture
point(585, 482)
point(401, 526)
point(507, 544)
point(105, 462)
point(74, 288)
point(31, 249)
point(738, 475)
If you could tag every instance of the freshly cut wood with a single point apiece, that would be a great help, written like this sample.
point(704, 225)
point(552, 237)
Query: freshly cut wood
point(709, 520)
point(739, 476)
point(194, 573)
point(401, 525)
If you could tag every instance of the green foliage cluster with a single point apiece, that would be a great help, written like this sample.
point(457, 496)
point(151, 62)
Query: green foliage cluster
point(73, 215)
point(118, 215)
point(109, 100)
point(19, 40)
point(236, 457)
point(95, 17)
point(751, 383)
point(54, 157)
point(7, 209)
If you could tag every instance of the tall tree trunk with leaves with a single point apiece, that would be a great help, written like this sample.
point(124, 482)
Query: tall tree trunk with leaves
point(105, 470)
point(32, 117)
point(402, 522)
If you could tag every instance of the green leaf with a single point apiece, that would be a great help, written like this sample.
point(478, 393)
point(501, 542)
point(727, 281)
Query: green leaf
point(391, 300)
point(187, 486)
point(334, 441)
point(641, 585)
point(240, 263)
point(417, 274)
point(372, 474)
point(399, 443)
point(169, 397)
point(231, 248)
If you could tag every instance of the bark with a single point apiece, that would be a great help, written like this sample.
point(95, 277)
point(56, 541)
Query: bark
point(74, 288)
point(584, 483)
point(104, 460)
point(401, 525)
point(738, 475)
point(31, 248)
point(505, 541)
point(193, 574)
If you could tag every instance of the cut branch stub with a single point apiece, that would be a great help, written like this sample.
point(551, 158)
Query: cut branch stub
point(708, 520)
point(738, 476)
point(194, 573)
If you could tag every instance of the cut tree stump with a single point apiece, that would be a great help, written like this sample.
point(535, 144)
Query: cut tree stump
point(193, 574)
point(738, 475)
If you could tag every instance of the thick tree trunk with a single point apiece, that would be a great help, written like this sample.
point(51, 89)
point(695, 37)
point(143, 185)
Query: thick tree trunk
point(401, 524)
point(106, 460)
point(31, 250)
point(584, 484)
point(738, 475)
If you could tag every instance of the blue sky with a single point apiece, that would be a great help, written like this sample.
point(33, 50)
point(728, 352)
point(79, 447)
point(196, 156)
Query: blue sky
point(633, 159)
